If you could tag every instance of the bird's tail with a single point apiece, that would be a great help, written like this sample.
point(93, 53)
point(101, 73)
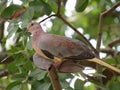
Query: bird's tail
point(98, 61)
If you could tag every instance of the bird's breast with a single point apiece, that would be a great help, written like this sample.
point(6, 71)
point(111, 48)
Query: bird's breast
point(35, 45)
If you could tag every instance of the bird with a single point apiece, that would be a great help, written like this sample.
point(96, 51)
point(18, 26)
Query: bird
point(60, 48)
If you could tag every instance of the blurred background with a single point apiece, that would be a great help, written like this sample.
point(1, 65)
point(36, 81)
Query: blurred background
point(17, 71)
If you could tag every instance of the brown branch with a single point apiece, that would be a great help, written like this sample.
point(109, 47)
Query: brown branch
point(114, 42)
point(2, 21)
point(113, 53)
point(105, 13)
point(8, 59)
point(101, 19)
point(102, 16)
point(99, 34)
point(47, 18)
point(59, 7)
point(54, 78)
point(58, 12)
point(108, 51)
point(90, 78)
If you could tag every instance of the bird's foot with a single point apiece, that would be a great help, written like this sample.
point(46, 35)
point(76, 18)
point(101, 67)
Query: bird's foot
point(57, 65)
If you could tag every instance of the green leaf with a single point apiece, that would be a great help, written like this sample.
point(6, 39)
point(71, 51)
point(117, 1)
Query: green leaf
point(41, 75)
point(47, 8)
point(110, 60)
point(12, 67)
point(97, 84)
point(38, 74)
point(12, 28)
point(53, 5)
point(25, 86)
point(2, 5)
point(44, 86)
point(81, 5)
point(14, 86)
point(9, 11)
point(40, 7)
point(19, 77)
point(89, 87)
point(28, 65)
point(79, 84)
point(26, 17)
point(115, 85)
point(35, 72)
point(29, 44)
point(41, 85)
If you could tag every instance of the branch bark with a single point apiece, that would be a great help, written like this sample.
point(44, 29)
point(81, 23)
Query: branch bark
point(114, 42)
point(101, 19)
point(54, 78)
point(8, 59)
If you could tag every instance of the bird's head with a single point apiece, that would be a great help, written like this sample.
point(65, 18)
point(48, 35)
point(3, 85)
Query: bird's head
point(33, 26)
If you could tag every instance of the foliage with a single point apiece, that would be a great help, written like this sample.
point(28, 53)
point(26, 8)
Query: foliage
point(17, 71)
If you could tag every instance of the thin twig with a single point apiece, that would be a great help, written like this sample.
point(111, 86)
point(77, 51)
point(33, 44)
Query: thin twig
point(105, 13)
point(99, 34)
point(115, 41)
point(58, 12)
point(54, 78)
point(108, 51)
point(101, 19)
point(47, 18)
point(59, 7)
point(2, 21)
point(102, 16)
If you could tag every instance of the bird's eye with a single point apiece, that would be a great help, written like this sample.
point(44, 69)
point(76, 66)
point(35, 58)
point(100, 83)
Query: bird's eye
point(32, 24)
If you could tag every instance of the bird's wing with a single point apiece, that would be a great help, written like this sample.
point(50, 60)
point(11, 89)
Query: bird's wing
point(64, 47)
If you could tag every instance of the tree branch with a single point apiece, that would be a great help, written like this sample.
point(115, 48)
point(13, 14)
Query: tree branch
point(2, 21)
point(101, 19)
point(8, 59)
point(47, 18)
point(102, 16)
point(108, 51)
point(59, 7)
point(115, 41)
point(54, 78)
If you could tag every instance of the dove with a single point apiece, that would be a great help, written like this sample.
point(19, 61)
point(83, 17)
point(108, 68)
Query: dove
point(60, 48)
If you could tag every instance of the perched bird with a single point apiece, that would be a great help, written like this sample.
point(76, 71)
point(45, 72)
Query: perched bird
point(59, 48)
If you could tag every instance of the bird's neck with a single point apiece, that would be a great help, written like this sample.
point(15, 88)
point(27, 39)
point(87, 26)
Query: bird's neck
point(37, 34)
